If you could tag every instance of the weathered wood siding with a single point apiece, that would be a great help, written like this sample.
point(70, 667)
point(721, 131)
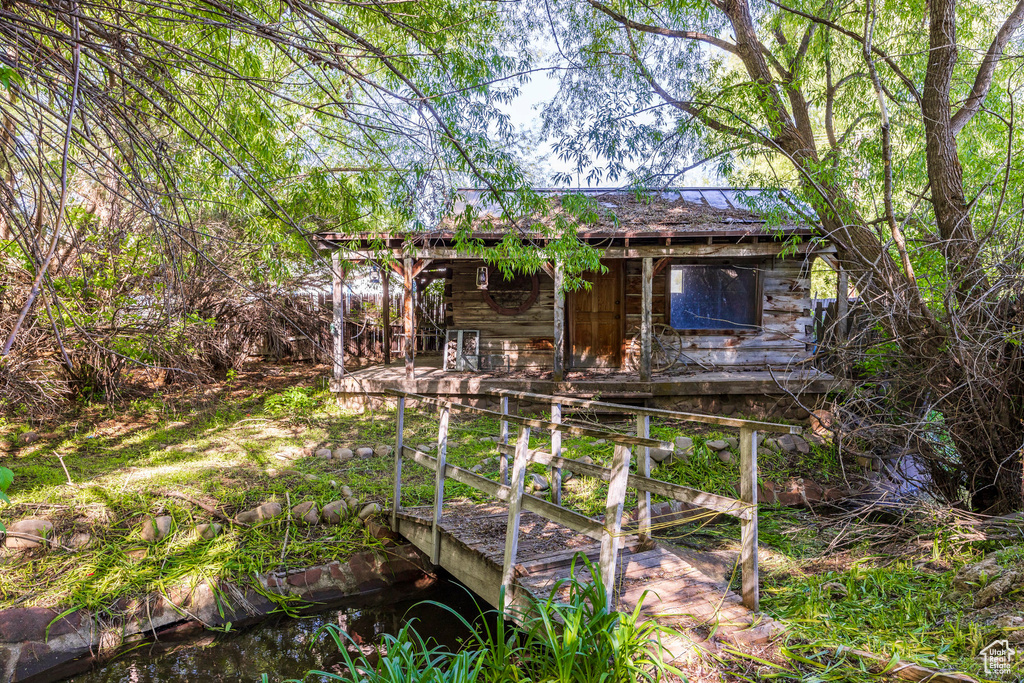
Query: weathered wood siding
point(782, 340)
point(527, 339)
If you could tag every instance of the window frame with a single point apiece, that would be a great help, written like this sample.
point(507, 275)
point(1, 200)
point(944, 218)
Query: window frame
point(757, 265)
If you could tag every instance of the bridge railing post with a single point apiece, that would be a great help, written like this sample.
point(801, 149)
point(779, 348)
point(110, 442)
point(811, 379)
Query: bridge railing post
point(748, 526)
point(442, 452)
point(399, 444)
point(502, 457)
point(643, 429)
point(613, 520)
point(515, 509)
point(556, 451)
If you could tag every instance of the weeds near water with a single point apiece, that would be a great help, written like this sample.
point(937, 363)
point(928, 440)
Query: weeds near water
point(575, 641)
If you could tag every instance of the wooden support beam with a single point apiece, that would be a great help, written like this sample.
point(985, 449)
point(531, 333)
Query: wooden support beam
point(385, 312)
point(338, 323)
point(442, 454)
point(515, 508)
point(643, 467)
point(503, 458)
point(647, 303)
point(614, 505)
point(399, 443)
point(558, 365)
point(418, 267)
point(409, 320)
point(661, 264)
point(548, 269)
point(748, 527)
point(842, 304)
point(556, 450)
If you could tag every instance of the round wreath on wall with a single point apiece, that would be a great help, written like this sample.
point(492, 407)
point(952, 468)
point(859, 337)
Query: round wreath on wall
point(510, 297)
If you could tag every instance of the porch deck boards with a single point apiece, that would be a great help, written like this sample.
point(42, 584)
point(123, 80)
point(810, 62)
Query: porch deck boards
point(432, 380)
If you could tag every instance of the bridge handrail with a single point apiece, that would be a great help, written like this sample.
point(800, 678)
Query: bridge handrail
point(759, 425)
point(618, 477)
point(572, 430)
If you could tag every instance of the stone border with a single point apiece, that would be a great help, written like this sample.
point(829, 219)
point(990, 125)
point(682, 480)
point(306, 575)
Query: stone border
point(40, 644)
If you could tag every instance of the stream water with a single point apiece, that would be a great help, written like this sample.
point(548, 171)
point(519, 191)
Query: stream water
point(286, 648)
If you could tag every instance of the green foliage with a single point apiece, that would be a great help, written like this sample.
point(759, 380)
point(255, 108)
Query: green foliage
point(293, 401)
point(571, 641)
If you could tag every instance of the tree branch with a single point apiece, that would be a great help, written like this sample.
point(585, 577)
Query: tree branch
point(983, 80)
point(660, 30)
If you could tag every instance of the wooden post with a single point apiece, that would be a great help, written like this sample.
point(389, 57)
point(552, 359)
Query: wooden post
point(748, 527)
point(643, 429)
point(399, 444)
point(338, 324)
point(502, 457)
point(558, 365)
point(556, 451)
point(842, 304)
point(613, 520)
point(409, 320)
point(385, 312)
point(442, 452)
point(515, 509)
point(646, 306)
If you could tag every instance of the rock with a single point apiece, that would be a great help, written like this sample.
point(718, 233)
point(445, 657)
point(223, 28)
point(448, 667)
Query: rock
point(977, 573)
point(343, 454)
point(477, 469)
point(424, 448)
point(726, 456)
point(324, 453)
point(352, 502)
point(208, 532)
point(312, 478)
point(29, 437)
point(598, 442)
point(771, 444)
point(154, 530)
point(28, 533)
point(369, 510)
point(346, 492)
point(821, 423)
point(80, 541)
point(792, 443)
point(305, 513)
point(732, 441)
point(334, 512)
point(717, 444)
point(273, 472)
point(261, 513)
point(1000, 587)
point(383, 451)
point(684, 447)
point(585, 459)
point(660, 454)
point(364, 452)
point(835, 589)
point(538, 482)
point(766, 493)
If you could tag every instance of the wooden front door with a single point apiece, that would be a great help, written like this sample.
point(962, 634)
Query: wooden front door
point(596, 320)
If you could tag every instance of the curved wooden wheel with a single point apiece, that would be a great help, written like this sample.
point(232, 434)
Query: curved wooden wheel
point(666, 349)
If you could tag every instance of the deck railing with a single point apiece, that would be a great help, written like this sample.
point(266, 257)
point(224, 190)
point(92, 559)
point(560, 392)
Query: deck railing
point(510, 489)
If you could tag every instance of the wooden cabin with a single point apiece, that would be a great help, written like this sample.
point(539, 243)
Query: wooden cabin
point(700, 304)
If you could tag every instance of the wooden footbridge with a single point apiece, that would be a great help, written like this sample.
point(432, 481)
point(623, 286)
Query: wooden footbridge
point(522, 545)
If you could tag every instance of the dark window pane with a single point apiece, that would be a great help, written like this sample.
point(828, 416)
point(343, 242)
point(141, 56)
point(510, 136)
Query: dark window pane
point(713, 297)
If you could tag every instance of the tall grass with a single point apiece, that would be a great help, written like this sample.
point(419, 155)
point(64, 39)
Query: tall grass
point(572, 641)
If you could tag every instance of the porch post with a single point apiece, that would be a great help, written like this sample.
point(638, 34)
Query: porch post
point(842, 303)
point(385, 312)
point(409, 320)
point(338, 323)
point(558, 365)
point(646, 305)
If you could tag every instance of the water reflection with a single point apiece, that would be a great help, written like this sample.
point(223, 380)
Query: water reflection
point(286, 648)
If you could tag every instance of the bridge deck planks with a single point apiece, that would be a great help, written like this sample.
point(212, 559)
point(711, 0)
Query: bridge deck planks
point(672, 591)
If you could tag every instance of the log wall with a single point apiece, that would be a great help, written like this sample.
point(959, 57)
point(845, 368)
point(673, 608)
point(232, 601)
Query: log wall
point(526, 341)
